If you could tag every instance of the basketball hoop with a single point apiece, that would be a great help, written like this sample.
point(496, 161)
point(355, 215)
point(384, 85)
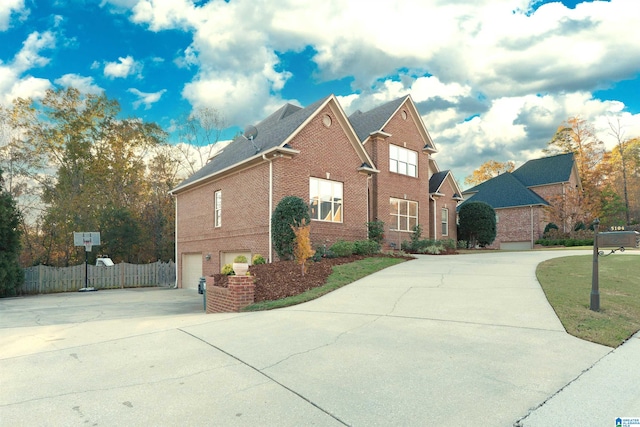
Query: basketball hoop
point(86, 239)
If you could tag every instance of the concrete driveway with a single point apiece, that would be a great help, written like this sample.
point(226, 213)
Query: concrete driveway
point(447, 340)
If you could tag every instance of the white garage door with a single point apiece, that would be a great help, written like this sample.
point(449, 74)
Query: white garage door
point(515, 246)
point(191, 270)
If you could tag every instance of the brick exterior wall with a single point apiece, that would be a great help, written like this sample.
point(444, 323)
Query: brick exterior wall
point(245, 218)
point(326, 153)
point(406, 134)
point(239, 294)
point(515, 224)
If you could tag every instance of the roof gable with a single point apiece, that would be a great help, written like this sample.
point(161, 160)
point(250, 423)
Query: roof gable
point(438, 179)
point(375, 120)
point(504, 191)
point(272, 132)
point(548, 170)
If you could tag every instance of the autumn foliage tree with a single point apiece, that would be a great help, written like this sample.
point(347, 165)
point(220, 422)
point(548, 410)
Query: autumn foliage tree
point(488, 170)
point(579, 137)
point(82, 159)
point(302, 249)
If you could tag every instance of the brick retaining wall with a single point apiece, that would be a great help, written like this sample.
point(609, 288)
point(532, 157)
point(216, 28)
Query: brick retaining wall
point(238, 295)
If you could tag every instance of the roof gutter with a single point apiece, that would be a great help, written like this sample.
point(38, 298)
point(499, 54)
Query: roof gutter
point(274, 152)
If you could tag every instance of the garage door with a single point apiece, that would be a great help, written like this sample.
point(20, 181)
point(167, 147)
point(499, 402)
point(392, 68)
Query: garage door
point(515, 246)
point(191, 270)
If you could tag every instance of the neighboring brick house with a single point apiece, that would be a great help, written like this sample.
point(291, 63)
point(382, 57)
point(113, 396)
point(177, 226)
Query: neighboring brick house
point(530, 197)
point(317, 154)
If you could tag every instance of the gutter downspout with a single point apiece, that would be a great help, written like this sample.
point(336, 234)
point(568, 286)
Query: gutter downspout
point(175, 238)
point(264, 157)
point(532, 240)
point(435, 233)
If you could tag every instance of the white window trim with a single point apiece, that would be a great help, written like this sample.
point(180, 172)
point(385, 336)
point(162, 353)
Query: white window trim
point(217, 209)
point(398, 216)
point(445, 221)
point(399, 163)
point(334, 204)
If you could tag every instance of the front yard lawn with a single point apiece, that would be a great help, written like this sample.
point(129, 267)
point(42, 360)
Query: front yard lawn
point(567, 284)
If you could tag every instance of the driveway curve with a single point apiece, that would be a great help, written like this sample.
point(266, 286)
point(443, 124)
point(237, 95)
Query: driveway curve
point(440, 340)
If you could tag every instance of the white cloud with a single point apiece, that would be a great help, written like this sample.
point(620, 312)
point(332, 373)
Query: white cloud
point(492, 77)
point(122, 68)
point(29, 56)
point(82, 83)
point(9, 8)
point(148, 99)
point(13, 81)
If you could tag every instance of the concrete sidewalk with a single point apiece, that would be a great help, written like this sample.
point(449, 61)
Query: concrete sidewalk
point(444, 340)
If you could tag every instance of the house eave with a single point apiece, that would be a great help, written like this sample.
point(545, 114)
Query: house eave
point(528, 205)
point(368, 170)
point(275, 152)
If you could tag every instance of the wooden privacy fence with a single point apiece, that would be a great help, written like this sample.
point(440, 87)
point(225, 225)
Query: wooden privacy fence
point(44, 280)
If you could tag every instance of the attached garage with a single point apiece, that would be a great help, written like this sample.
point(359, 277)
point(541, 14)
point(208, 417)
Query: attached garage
point(191, 270)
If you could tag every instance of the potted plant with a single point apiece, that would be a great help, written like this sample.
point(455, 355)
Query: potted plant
point(240, 265)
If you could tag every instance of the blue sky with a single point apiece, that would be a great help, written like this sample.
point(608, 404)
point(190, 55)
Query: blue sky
point(492, 78)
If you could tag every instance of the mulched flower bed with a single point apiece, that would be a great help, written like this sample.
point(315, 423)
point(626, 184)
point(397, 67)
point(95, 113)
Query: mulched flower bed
point(283, 279)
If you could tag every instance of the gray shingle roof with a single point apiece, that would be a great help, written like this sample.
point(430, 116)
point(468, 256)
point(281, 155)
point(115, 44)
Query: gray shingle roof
point(504, 191)
point(374, 120)
point(548, 170)
point(436, 181)
point(272, 132)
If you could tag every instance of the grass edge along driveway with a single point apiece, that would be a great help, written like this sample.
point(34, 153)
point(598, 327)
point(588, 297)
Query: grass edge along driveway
point(342, 275)
point(566, 283)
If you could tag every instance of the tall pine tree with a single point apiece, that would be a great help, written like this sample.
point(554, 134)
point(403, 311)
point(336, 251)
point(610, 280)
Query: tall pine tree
point(11, 275)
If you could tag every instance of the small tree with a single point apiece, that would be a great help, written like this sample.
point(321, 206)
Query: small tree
point(291, 211)
point(302, 250)
point(478, 223)
point(11, 276)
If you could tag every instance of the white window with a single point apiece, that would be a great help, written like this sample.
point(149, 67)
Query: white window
point(445, 221)
point(403, 161)
point(404, 214)
point(217, 208)
point(325, 200)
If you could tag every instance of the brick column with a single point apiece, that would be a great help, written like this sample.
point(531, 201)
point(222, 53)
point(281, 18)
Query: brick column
point(238, 295)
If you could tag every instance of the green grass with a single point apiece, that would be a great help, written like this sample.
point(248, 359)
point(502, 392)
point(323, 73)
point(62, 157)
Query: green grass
point(567, 284)
point(342, 275)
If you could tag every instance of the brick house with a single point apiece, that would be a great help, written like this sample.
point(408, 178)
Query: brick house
point(320, 155)
point(530, 197)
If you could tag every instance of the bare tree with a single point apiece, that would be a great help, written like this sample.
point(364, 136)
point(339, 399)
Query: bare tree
point(199, 131)
point(617, 132)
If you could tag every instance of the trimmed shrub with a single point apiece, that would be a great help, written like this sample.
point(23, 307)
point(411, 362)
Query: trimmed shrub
point(365, 247)
point(258, 259)
point(290, 211)
point(477, 223)
point(227, 270)
point(550, 226)
point(240, 259)
point(342, 248)
point(376, 231)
